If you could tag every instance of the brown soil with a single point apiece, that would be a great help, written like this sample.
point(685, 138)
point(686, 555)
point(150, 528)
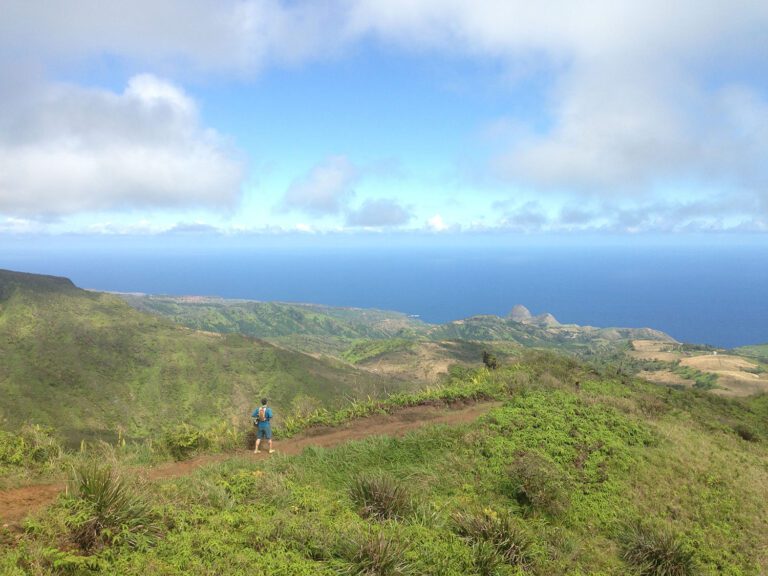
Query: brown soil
point(733, 376)
point(17, 503)
point(720, 362)
point(426, 362)
point(655, 350)
point(666, 377)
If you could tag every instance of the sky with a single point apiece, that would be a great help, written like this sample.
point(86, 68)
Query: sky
point(396, 118)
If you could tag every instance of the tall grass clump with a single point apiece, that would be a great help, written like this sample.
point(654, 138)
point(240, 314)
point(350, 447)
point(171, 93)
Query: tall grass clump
point(496, 538)
point(104, 510)
point(375, 554)
point(535, 482)
point(380, 496)
point(657, 552)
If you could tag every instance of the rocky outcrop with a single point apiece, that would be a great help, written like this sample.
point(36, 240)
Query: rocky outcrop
point(520, 313)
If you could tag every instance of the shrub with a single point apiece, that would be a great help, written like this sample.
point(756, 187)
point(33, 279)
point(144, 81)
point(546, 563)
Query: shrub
point(535, 482)
point(33, 444)
point(746, 433)
point(183, 441)
point(105, 510)
point(225, 437)
point(375, 554)
point(657, 552)
point(495, 538)
point(380, 497)
point(490, 360)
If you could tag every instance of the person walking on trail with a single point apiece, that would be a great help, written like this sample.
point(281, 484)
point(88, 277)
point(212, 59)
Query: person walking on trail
point(261, 417)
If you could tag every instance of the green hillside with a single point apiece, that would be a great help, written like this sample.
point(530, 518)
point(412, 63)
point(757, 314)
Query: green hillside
point(88, 364)
point(614, 477)
point(276, 319)
point(335, 331)
point(565, 337)
point(758, 351)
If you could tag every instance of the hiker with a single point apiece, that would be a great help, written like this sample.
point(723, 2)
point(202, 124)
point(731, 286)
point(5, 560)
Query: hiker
point(261, 417)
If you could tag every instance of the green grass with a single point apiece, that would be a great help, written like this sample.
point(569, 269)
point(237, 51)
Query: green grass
point(330, 330)
point(278, 319)
point(759, 352)
point(91, 367)
point(622, 455)
point(369, 349)
point(701, 380)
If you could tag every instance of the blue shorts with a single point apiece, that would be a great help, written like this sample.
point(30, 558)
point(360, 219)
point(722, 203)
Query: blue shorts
point(264, 431)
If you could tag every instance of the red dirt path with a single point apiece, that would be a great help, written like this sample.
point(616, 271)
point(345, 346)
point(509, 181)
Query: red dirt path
point(17, 503)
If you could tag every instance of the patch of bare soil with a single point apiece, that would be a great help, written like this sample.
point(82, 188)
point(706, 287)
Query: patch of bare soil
point(17, 503)
point(665, 377)
point(733, 374)
point(655, 350)
point(426, 362)
point(718, 362)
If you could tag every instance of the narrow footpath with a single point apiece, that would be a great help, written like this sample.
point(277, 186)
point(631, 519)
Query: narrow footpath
point(16, 504)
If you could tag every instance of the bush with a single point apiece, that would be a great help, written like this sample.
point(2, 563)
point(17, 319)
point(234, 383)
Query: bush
point(746, 433)
point(105, 510)
point(535, 483)
point(32, 445)
point(495, 538)
point(375, 554)
point(490, 360)
point(380, 497)
point(657, 552)
point(183, 441)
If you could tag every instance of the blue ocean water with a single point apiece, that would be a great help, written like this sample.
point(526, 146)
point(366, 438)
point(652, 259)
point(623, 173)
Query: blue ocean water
point(714, 295)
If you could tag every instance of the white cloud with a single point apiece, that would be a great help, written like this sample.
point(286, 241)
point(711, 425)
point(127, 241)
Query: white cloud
point(68, 149)
point(641, 93)
point(19, 226)
point(638, 93)
point(708, 213)
point(325, 189)
point(378, 213)
point(437, 224)
point(207, 35)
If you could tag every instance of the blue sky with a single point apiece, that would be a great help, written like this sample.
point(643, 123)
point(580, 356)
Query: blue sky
point(258, 118)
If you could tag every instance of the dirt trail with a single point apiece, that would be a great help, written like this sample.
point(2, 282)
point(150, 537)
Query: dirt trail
point(17, 503)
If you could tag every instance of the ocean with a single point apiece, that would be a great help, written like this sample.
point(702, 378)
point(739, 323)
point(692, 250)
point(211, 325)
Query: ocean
point(700, 294)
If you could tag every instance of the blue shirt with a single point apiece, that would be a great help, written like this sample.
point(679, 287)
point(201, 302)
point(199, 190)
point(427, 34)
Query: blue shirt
point(267, 415)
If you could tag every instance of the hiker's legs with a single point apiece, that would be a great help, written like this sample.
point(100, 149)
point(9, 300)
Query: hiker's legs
point(258, 441)
point(270, 446)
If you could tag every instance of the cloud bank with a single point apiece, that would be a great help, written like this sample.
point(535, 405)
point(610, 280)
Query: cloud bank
point(67, 149)
point(640, 96)
point(378, 213)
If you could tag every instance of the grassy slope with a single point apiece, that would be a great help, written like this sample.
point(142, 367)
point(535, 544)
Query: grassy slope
point(333, 330)
point(568, 337)
point(611, 454)
point(758, 351)
point(86, 362)
point(277, 319)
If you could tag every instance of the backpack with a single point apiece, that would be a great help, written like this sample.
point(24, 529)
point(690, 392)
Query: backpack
point(262, 417)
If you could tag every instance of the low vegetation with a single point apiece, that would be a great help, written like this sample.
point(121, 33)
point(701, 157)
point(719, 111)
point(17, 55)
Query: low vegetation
point(609, 477)
point(581, 468)
point(124, 374)
point(657, 552)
